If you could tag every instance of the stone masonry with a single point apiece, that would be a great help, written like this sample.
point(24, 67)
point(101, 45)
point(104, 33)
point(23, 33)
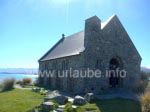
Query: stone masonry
point(106, 46)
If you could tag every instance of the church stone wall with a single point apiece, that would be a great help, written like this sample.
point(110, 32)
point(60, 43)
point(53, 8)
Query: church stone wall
point(101, 45)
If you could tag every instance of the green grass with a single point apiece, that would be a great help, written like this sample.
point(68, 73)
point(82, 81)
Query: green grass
point(28, 86)
point(112, 105)
point(19, 100)
point(23, 100)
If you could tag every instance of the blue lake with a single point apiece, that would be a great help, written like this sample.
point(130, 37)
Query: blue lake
point(17, 76)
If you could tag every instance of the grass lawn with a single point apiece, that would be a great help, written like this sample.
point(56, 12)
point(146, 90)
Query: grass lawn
point(28, 86)
point(19, 100)
point(112, 105)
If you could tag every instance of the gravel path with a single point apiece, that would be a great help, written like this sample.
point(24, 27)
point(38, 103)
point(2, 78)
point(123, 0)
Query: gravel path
point(20, 87)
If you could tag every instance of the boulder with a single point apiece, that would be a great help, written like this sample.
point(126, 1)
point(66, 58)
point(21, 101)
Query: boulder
point(79, 100)
point(60, 99)
point(89, 97)
point(47, 106)
point(36, 89)
point(43, 92)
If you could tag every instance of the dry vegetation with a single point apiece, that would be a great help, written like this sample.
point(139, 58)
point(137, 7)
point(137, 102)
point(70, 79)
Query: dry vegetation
point(7, 84)
point(24, 81)
point(145, 100)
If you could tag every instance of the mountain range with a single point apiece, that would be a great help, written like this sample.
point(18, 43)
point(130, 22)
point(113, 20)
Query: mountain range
point(19, 70)
point(145, 69)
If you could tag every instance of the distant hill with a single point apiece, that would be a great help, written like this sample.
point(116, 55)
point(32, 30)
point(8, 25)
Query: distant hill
point(145, 69)
point(19, 70)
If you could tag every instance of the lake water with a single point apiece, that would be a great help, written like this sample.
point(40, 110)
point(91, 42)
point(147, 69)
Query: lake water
point(17, 76)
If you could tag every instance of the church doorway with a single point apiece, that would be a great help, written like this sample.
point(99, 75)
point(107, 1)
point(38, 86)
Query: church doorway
point(114, 80)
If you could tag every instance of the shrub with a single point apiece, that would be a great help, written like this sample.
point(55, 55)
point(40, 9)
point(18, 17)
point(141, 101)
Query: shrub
point(36, 82)
point(56, 104)
point(19, 82)
point(145, 102)
point(26, 81)
point(148, 87)
point(144, 75)
point(8, 84)
point(141, 86)
point(145, 99)
point(68, 108)
point(0, 85)
point(43, 93)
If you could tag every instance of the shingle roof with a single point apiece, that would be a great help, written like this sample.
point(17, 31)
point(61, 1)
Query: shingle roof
point(71, 45)
point(68, 46)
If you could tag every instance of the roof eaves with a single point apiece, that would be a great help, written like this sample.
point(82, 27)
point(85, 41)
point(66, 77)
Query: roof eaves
point(61, 57)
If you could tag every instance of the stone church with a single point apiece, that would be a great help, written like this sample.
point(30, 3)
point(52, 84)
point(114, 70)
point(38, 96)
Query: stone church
point(101, 45)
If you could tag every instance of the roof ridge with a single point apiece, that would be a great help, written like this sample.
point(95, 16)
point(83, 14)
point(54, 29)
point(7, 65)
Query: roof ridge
point(74, 34)
point(103, 24)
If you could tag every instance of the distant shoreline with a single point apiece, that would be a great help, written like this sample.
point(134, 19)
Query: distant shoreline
point(19, 73)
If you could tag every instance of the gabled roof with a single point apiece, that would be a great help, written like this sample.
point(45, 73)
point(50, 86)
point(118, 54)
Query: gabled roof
point(68, 46)
point(71, 45)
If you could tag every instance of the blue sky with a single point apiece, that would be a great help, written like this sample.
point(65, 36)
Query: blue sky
point(28, 28)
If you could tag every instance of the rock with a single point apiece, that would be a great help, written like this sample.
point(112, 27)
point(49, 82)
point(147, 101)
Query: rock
point(60, 99)
point(59, 110)
point(47, 106)
point(43, 92)
point(79, 100)
point(61, 106)
point(74, 106)
point(46, 99)
point(36, 89)
point(89, 97)
point(52, 94)
point(42, 89)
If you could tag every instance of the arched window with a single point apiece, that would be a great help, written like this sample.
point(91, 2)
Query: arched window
point(115, 80)
point(114, 64)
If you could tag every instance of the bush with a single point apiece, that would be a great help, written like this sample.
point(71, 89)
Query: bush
point(145, 102)
point(8, 84)
point(26, 81)
point(141, 86)
point(56, 104)
point(0, 86)
point(36, 82)
point(19, 82)
point(144, 75)
point(68, 108)
point(145, 99)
